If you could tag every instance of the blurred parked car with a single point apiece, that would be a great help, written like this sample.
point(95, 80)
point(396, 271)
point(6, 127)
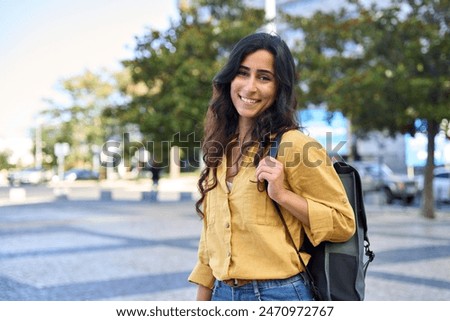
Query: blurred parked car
point(28, 176)
point(379, 177)
point(441, 184)
point(76, 174)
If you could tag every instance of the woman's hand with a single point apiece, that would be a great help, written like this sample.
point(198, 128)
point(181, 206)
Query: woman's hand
point(272, 171)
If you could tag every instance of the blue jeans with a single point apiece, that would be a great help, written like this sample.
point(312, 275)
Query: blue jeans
point(292, 289)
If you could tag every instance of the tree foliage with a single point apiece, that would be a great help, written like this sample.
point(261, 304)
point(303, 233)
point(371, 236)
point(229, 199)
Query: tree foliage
point(385, 68)
point(77, 119)
point(4, 160)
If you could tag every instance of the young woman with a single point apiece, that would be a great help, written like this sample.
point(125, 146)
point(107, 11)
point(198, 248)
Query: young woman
point(244, 253)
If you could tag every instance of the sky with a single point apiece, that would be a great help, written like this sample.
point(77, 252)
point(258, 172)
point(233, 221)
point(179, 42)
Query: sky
point(44, 41)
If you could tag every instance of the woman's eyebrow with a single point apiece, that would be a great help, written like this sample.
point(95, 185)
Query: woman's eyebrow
point(258, 70)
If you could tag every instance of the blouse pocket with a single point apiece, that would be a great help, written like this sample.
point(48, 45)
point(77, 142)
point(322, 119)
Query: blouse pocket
point(259, 208)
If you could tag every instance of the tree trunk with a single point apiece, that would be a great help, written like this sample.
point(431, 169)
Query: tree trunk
point(428, 197)
point(354, 153)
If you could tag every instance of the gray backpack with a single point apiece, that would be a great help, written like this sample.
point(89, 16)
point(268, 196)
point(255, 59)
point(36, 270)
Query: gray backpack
point(337, 271)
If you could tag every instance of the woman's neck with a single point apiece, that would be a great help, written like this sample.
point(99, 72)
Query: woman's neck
point(244, 132)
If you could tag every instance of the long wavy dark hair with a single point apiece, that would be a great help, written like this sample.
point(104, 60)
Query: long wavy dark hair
point(221, 121)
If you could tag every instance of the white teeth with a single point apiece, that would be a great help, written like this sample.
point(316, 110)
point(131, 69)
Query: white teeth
point(248, 100)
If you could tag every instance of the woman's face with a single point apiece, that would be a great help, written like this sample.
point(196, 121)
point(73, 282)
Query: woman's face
point(254, 88)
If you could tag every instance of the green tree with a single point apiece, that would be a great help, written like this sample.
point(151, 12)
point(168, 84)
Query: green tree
point(79, 121)
point(4, 160)
point(385, 68)
point(173, 70)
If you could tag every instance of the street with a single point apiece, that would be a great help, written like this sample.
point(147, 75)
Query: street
point(75, 249)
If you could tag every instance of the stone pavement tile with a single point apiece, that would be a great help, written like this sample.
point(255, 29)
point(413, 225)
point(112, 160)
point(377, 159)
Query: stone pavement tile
point(76, 267)
point(383, 288)
point(96, 250)
point(412, 259)
point(424, 280)
point(92, 291)
point(185, 294)
point(52, 241)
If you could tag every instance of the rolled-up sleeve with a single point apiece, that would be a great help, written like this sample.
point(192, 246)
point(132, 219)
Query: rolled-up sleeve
point(310, 173)
point(202, 273)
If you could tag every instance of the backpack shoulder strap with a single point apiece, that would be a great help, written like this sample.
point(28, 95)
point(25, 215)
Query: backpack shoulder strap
point(273, 152)
point(275, 144)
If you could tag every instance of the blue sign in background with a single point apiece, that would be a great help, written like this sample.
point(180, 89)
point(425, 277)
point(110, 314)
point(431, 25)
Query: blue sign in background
point(416, 150)
point(330, 129)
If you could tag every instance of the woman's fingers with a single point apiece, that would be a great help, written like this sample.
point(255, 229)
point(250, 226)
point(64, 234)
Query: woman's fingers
point(269, 169)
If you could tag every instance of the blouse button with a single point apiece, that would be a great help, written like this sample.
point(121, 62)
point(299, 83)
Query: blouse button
point(227, 225)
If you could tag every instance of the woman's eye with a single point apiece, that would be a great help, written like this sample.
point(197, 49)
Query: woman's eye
point(265, 78)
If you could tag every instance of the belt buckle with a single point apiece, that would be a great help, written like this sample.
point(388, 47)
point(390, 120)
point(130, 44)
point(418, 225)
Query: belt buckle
point(236, 282)
point(231, 282)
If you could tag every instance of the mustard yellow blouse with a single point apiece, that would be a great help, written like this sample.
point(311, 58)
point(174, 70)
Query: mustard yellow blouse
point(242, 235)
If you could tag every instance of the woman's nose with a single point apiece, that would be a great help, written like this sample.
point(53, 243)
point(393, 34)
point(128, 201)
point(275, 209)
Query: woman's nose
point(250, 84)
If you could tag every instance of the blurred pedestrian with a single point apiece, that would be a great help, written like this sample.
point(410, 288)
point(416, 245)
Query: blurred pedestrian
point(155, 169)
point(244, 253)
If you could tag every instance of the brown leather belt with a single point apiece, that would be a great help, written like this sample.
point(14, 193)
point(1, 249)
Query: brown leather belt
point(236, 282)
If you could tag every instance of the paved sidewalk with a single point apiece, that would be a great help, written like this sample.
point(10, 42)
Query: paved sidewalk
point(136, 250)
point(169, 189)
point(94, 250)
point(412, 255)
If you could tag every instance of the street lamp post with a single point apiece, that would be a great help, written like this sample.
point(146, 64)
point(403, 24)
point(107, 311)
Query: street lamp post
point(270, 15)
point(38, 152)
point(61, 150)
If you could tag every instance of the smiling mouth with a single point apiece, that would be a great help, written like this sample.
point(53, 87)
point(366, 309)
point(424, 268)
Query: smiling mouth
point(248, 100)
